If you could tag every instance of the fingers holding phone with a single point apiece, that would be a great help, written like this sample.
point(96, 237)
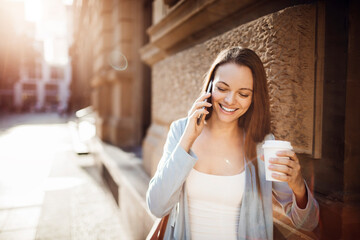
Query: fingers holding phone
point(199, 109)
point(195, 124)
point(200, 103)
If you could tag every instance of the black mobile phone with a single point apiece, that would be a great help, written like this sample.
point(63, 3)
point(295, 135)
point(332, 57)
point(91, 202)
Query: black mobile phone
point(208, 90)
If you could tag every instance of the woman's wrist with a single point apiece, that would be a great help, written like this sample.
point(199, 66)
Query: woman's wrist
point(185, 143)
point(301, 196)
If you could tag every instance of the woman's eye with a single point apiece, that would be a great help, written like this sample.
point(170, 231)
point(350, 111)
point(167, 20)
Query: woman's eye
point(220, 89)
point(243, 95)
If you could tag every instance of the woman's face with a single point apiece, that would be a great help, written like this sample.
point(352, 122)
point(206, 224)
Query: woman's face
point(232, 92)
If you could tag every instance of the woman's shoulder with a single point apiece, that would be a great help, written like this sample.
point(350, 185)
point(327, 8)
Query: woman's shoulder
point(178, 125)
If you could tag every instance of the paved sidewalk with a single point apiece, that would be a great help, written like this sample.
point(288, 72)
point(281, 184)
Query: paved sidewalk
point(46, 190)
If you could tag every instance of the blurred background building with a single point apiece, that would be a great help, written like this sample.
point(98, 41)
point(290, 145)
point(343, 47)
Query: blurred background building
point(107, 69)
point(35, 68)
point(139, 64)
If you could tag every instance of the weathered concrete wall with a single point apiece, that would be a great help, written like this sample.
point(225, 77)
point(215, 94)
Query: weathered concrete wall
point(285, 42)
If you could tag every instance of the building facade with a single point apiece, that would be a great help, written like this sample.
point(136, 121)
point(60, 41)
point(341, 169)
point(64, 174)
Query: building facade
point(35, 71)
point(42, 87)
point(310, 56)
point(108, 69)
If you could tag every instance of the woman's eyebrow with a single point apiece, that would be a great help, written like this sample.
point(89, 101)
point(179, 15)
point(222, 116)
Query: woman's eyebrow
point(239, 89)
point(246, 89)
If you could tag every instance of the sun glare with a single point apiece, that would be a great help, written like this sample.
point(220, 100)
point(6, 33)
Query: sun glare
point(67, 2)
point(33, 10)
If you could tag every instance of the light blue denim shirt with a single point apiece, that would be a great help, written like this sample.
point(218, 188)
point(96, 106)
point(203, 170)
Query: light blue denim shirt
point(167, 194)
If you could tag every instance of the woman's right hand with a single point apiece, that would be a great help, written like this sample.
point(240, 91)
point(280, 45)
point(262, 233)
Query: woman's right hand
point(192, 129)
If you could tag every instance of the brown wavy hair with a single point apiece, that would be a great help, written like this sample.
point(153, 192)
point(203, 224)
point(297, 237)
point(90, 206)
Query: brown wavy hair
point(256, 120)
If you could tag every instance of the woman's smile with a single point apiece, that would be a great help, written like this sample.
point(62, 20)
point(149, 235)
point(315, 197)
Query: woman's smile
point(227, 110)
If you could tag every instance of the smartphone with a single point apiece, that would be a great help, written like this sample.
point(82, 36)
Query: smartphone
point(208, 90)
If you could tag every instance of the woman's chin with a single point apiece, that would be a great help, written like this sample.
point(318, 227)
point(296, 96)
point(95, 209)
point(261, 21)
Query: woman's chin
point(227, 118)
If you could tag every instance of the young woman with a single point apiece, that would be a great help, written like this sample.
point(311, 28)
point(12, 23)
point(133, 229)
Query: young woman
point(211, 177)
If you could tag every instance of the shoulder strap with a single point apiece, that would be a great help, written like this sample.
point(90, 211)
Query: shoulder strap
point(157, 232)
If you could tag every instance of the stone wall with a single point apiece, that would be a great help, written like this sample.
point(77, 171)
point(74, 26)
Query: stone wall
point(285, 42)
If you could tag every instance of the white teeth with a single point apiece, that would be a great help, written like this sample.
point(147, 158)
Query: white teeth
point(227, 109)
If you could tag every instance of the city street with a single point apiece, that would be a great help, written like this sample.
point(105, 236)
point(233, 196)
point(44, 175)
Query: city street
point(46, 190)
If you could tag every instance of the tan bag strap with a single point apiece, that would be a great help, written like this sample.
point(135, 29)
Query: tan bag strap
point(157, 232)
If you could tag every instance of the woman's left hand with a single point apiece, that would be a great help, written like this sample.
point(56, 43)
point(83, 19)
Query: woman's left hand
point(289, 164)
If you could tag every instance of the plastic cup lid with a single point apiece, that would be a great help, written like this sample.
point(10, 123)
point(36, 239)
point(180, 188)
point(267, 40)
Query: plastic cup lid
point(277, 144)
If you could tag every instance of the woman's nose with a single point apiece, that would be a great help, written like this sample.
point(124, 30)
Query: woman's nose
point(230, 98)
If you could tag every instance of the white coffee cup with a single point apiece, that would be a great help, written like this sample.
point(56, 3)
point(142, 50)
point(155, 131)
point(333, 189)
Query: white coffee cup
point(271, 147)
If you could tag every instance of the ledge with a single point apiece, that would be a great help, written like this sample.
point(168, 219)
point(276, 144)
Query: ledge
point(190, 17)
point(187, 18)
point(114, 75)
point(150, 54)
point(128, 182)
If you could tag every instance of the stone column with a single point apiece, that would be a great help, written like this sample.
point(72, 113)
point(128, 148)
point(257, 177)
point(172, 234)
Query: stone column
point(40, 93)
point(18, 95)
point(63, 96)
point(45, 69)
point(101, 49)
point(122, 123)
point(105, 111)
point(126, 75)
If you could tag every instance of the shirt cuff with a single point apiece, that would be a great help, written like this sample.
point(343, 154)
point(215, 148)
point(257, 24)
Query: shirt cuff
point(297, 208)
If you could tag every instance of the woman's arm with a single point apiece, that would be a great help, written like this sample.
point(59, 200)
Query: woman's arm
point(177, 159)
point(174, 166)
point(293, 193)
point(291, 173)
point(303, 217)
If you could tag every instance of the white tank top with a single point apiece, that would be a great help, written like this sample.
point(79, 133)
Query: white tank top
point(214, 204)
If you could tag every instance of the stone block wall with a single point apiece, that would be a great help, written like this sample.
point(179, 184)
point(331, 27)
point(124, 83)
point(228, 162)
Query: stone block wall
point(285, 42)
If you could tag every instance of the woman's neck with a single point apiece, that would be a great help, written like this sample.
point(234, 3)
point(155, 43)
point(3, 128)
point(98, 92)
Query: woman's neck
point(220, 129)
